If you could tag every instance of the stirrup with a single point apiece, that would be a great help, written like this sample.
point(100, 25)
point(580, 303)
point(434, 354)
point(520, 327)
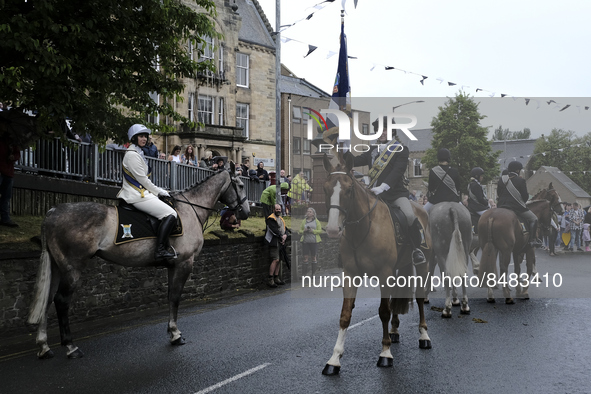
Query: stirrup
point(418, 257)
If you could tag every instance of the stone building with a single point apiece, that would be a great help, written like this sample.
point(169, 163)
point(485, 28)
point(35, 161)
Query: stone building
point(236, 103)
point(568, 190)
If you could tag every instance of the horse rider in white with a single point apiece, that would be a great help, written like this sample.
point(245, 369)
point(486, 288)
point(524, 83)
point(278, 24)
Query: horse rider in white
point(139, 191)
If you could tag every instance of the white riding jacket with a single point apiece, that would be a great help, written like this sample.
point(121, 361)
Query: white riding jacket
point(135, 166)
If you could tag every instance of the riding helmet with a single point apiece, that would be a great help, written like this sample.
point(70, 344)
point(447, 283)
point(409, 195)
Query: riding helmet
point(443, 155)
point(515, 166)
point(476, 172)
point(137, 129)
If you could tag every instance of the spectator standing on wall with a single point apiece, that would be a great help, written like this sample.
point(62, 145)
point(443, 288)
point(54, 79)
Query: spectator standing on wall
point(150, 150)
point(9, 154)
point(275, 236)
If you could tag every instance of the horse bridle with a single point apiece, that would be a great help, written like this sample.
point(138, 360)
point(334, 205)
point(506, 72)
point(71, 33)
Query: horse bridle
point(345, 213)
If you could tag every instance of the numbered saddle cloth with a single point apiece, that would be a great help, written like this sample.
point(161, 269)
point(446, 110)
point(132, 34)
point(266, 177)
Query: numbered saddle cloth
point(134, 225)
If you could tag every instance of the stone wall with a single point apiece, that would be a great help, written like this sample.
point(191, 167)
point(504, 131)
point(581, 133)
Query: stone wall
point(106, 290)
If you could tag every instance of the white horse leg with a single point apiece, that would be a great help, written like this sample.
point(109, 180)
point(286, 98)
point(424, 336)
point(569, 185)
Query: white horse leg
point(454, 293)
point(333, 366)
point(448, 303)
point(45, 352)
point(465, 309)
point(385, 359)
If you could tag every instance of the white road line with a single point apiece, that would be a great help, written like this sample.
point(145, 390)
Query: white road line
point(362, 322)
point(233, 378)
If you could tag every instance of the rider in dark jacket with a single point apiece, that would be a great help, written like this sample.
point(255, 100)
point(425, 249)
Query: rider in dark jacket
point(512, 192)
point(389, 182)
point(477, 201)
point(444, 181)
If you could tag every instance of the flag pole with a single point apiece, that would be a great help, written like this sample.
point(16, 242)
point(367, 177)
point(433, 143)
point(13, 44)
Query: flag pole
point(278, 198)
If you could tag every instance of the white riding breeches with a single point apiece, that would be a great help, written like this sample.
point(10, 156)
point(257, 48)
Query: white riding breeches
point(156, 208)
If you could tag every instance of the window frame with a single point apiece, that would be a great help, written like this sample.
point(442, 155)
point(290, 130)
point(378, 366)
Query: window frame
point(200, 111)
point(246, 129)
point(242, 68)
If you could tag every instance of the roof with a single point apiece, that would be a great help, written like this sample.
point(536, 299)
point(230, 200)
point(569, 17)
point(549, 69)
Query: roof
point(561, 177)
point(423, 142)
point(300, 87)
point(255, 26)
point(514, 150)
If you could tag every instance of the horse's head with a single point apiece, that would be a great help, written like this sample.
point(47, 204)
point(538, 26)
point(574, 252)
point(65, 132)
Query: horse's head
point(235, 195)
point(338, 190)
point(554, 198)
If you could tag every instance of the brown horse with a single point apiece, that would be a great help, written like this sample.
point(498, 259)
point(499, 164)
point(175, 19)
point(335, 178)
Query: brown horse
point(500, 232)
point(368, 247)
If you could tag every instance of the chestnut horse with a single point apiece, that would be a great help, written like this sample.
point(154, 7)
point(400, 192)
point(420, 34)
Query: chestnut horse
point(73, 233)
point(368, 247)
point(499, 231)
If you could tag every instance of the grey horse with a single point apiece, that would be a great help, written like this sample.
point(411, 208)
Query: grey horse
point(451, 234)
point(67, 247)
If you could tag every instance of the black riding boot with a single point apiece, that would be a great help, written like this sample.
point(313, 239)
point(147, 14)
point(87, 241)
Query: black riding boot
point(415, 240)
point(166, 226)
point(533, 233)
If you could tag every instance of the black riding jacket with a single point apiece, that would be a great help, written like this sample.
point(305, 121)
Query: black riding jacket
point(480, 203)
point(442, 192)
point(506, 200)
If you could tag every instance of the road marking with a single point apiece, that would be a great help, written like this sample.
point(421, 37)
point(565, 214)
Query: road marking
point(233, 378)
point(363, 322)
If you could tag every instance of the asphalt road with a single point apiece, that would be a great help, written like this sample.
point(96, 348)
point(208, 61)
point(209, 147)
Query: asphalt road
point(277, 342)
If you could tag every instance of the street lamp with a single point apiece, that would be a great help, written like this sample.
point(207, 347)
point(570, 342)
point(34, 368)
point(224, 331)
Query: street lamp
point(412, 102)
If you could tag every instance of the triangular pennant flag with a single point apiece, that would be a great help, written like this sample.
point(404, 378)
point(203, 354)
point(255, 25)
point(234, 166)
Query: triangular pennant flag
point(478, 90)
point(565, 107)
point(311, 48)
point(586, 108)
point(526, 101)
point(389, 68)
point(351, 57)
point(330, 54)
point(372, 67)
point(440, 80)
point(451, 84)
point(285, 39)
point(503, 95)
point(550, 102)
point(492, 94)
point(465, 87)
point(355, 3)
point(343, 6)
point(309, 16)
point(423, 80)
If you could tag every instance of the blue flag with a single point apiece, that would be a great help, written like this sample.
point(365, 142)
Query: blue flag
point(341, 91)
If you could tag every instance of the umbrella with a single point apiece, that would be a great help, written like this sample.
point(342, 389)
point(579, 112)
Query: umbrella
point(285, 256)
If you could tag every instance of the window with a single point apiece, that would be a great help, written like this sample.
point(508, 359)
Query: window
point(155, 117)
point(221, 62)
point(221, 112)
point(205, 110)
point(417, 167)
point(365, 129)
point(296, 114)
point(306, 146)
point(295, 172)
point(207, 48)
point(242, 114)
point(242, 69)
point(305, 116)
point(190, 49)
point(297, 147)
point(191, 107)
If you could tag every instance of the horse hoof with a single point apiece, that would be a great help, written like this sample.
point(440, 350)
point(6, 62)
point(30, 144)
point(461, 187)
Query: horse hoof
point(76, 354)
point(331, 370)
point(46, 356)
point(456, 303)
point(385, 362)
point(446, 315)
point(424, 343)
point(490, 300)
point(395, 338)
point(509, 301)
point(465, 312)
point(178, 342)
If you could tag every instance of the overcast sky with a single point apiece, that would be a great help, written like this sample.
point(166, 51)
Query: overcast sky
point(521, 48)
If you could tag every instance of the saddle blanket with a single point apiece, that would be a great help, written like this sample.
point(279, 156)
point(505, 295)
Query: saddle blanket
point(134, 225)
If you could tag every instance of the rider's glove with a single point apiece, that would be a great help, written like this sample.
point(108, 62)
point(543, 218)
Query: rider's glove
point(163, 193)
point(382, 188)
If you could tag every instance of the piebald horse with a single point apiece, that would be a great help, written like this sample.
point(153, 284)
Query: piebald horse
point(499, 231)
point(368, 247)
point(73, 233)
point(451, 234)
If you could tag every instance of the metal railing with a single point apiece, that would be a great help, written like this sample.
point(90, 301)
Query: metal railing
point(84, 162)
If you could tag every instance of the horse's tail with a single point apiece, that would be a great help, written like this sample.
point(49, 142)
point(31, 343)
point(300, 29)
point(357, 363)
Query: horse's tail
point(456, 263)
point(38, 309)
point(488, 261)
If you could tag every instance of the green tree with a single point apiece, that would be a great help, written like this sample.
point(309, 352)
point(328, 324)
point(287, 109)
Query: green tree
point(522, 135)
point(563, 150)
point(457, 128)
point(501, 134)
point(97, 62)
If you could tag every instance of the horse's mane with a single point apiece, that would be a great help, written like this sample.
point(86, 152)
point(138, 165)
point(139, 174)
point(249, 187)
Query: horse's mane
point(534, 201)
